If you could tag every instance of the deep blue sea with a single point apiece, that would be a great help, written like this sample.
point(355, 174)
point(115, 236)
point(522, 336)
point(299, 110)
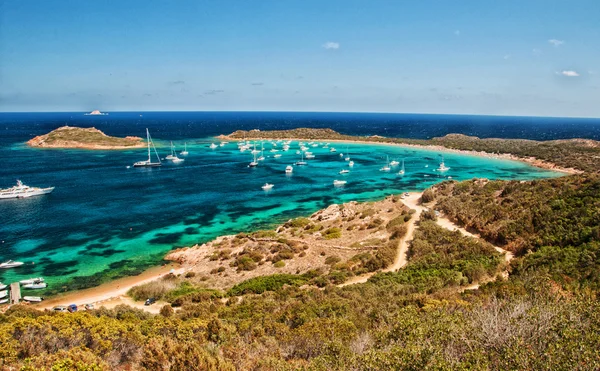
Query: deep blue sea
point(105, 220)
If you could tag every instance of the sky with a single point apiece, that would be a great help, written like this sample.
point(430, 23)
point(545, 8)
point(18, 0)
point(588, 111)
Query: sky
point(528, 57)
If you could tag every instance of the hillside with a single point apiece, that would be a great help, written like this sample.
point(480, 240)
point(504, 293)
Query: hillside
point(85, 138)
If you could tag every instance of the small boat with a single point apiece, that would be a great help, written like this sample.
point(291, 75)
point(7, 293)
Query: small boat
point(213, 146)
point(426, 165)
point(449, 177)
point(401, 172)
point(387, 166)
point(177, 160)
point(301, 162)
point(254, 163)
point(394, 163)
point(289, 169)
point(339, 182)
point(10, 264)
point(3, 294)
point(35, 286)
point(274, 150)
point(344, 171)
point(351, 163)
point(267, 186)
point(310, 156)
point(442, 167)
point(32, 280)
point(3, 286)
point(3, 301)
point(172, 155)
point(222, 144)
point(33, 299)
point(277, 156)
point(332, 149)
point(23, 191)
point(185, 151)
point(262, 153)
point(148, 162)
point(341, 155)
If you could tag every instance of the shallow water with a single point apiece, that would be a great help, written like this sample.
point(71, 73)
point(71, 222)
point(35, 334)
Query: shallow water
point(105, 220)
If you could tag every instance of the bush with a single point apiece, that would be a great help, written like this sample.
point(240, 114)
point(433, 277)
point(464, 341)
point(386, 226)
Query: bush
point(258, 285)
point(427, 196)
point(279, 264)
point(331, 260)
point(332, 233)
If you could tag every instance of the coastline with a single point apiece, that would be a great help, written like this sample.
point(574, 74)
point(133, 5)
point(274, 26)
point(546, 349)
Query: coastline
point(113, 293)
point(500, 156)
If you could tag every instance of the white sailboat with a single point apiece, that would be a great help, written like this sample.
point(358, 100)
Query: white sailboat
point(262, 152)
point(173, 157)
point(387, 166)
point(185, 151)
point(401, 172)
point(301, 162)
point(254, 163)
point(442, 167)
point(267, 186)
point(148, 162)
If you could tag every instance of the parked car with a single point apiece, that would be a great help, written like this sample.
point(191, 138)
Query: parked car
point(150, 301)
point(73, 308)
point(89, 306)
point(60, 308)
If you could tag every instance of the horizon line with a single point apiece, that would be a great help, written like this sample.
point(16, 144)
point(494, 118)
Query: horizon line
point(308, 112)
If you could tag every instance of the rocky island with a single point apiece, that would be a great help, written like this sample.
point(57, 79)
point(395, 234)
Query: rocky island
point(86, 138)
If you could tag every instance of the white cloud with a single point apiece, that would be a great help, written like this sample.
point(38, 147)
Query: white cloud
point(569, 73)
point(556, 42)
point(457, 32)
point(331, 45)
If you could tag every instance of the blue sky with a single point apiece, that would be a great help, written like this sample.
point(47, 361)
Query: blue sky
point(529, 57)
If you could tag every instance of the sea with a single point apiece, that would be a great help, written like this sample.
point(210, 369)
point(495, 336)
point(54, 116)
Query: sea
point(106, 219)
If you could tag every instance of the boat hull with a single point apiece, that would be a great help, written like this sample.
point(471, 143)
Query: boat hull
point(27, 194)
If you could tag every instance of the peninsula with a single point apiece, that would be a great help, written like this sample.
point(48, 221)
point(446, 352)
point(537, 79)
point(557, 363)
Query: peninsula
point(570, 156)
point(85, 138)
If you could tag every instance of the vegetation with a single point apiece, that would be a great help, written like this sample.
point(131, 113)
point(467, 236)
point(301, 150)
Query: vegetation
point(543, 316)
point(91, 138)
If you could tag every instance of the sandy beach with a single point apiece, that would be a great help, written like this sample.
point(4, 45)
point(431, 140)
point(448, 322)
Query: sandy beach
point(113, 293)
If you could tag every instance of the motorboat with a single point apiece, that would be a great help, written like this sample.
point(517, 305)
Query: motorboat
point(344, 171)
point(32, 280)
point(351, 163)
point(10, 264)
point(3, 294)
point(35, 286)
point(267, 186)
point(442, 167)
point(339, 182)
point(33, 299)
point(289, 169)
point(213, 146)
point(276, 156)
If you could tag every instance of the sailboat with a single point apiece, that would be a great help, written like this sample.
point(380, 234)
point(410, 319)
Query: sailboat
point(442, 167)
point(148, 162)
point(262, 152)
point(254, 163)
point(185, 151)
point(301, 162)
point(347, 155)
point(401, 172)
point(267, 186)
point(173, 157)
point(387, 166)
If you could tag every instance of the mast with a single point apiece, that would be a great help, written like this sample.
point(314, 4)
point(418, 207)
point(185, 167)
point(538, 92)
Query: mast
point(148, 139)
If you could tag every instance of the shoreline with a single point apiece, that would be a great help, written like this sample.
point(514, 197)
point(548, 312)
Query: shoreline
point(435, 147)
point(112, 292)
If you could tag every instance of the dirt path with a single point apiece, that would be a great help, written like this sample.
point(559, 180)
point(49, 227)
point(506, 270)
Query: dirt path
point(400, 260)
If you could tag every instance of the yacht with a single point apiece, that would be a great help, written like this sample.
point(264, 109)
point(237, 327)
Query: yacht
point(185, 151)
point(387, 166)
point(32, 280)
point(22, 191)
point(10, 264)
point(35, 286)
point(351, 163)
point(344, 171)
point(442, 167)
point(289, 169)
point(148, 162)
point(33, 299)
point(331, 149)
point(301, 162)
point(401, 172)
point(267, 186)
point(339, 182)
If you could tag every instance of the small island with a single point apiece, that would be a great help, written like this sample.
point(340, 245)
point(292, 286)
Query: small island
point(85, 138)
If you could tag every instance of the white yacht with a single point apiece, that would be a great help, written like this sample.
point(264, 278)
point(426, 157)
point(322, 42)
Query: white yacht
point(289, 169)
point(387, 165)
point(31, 280)
point(339, 182)
point(351, 163)
point(442, 167)
point(267, 186)
point(35, 286)
point(148, 162)
point(10, 264)
point(344, 171)
point(185, 151)
point(22, 191)
point(401, 172)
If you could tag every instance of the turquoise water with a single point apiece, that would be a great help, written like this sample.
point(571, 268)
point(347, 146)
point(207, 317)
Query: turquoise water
point(105, 220)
